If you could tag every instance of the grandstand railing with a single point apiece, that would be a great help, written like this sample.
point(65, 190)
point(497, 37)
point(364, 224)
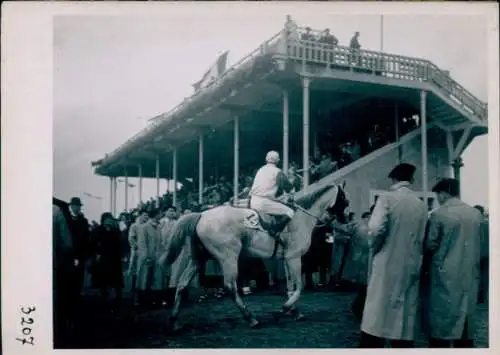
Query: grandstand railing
point(384, 64)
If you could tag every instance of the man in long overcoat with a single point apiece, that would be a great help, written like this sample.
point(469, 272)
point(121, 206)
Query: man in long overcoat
point(454, 249)
point(163, 272)
point(80, 233)
point(395, 231)
point(148, 241)
point(132, 240)
point(62, 261)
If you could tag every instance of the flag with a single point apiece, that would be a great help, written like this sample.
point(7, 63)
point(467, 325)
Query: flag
point(97, 162)
point(213, 73)
point(92, 196)
point(129, 184)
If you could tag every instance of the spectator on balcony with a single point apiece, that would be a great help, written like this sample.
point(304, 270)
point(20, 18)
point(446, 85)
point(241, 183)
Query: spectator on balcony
point(308, 35)
point(329, 42)
point(328, 38)
point(355, 48)
point(291, 28)
point(355, 42)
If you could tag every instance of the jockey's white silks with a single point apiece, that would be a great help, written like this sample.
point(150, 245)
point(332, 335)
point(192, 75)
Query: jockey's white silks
point(264, 184)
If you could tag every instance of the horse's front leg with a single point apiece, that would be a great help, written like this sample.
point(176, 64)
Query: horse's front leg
point(293, 268)
point(230, 271)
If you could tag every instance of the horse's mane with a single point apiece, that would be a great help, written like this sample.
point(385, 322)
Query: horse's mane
point(306, 197)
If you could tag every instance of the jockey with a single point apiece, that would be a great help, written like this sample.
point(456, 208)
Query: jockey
point(268, 182)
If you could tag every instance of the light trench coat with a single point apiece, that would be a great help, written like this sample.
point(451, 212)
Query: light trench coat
point(454, 243)
point(132, 240)
point(164, 271)
point(396, 233)
point(148, 244)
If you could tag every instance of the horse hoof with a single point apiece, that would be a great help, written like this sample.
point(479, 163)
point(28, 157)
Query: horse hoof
point(254, 324)
point(176, 328)
point(299, 317)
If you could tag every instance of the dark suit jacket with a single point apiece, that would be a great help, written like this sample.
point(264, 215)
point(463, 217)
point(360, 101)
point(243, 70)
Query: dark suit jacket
point(79, 228)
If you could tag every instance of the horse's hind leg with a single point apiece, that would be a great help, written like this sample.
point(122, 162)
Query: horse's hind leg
point(230, 270)
point(185, 279)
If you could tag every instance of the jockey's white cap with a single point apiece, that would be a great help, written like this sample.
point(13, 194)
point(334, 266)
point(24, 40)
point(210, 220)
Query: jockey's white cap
point(272, 157)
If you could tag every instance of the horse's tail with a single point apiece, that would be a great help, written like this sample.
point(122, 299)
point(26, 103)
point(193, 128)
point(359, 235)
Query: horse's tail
point(185, 226)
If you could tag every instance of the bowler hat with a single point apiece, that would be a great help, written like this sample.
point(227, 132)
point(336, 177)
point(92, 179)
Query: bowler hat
point(448, 185)
point(402, 172)
point(76, 201)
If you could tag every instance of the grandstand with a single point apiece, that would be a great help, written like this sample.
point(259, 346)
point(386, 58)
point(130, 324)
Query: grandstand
point(361, 110)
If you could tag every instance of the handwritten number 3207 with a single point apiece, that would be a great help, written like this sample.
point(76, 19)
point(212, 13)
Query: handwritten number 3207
point(26, 323)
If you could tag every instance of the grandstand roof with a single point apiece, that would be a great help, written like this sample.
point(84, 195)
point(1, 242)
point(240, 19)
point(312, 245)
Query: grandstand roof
point(252, 90)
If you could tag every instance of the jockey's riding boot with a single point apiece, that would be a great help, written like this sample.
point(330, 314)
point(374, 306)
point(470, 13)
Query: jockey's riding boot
point(278, 226)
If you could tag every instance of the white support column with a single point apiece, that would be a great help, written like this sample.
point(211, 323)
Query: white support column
point(423, 127)
point(397, 132)
point(200, 170)
point(449, 145)
point(236, 159)
point(126, 189)
point(140, 183)
point(158, 180)
point(305, 130)
point(174, 177)
point(111, 194)
point(286, 133)
point(115, 185)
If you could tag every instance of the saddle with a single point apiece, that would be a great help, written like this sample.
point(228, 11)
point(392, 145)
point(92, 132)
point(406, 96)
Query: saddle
point(272, 225)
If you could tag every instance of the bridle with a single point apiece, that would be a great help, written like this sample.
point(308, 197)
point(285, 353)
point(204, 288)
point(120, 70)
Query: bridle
point(302, 209)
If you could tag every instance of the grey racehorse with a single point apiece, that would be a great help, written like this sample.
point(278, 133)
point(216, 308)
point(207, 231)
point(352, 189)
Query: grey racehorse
point(223, 232)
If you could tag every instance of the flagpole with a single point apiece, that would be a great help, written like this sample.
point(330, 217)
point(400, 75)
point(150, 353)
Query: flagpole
point(381, 33)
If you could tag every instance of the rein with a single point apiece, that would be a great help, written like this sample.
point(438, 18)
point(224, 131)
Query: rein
point(306, 212)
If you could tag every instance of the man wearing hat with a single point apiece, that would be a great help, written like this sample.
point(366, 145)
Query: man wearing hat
point(395, 234)
point(453, 246)
point(79, 229)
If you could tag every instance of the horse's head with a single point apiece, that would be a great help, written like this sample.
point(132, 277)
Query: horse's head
point(338, 204)
point(330, 198)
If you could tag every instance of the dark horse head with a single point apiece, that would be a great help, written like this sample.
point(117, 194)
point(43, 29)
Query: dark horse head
point(337, 210)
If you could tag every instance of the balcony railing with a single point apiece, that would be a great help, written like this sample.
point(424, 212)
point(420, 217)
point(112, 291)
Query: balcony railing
point(384, 64)
point(336, 57)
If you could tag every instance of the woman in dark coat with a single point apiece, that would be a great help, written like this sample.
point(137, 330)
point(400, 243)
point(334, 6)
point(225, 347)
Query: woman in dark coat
point(108, 252)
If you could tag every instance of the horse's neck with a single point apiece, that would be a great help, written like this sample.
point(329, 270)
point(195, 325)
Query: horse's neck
point(302, 226)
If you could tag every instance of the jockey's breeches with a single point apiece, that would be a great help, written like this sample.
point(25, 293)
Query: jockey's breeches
point(267, 206)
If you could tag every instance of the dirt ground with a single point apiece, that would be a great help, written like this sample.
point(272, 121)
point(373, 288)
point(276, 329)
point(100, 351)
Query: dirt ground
point(216, 323)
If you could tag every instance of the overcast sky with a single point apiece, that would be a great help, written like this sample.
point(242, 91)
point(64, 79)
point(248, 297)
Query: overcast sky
point(113, 73)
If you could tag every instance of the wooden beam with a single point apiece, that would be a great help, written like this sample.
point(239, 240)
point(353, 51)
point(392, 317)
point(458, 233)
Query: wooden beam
point(461, 143)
